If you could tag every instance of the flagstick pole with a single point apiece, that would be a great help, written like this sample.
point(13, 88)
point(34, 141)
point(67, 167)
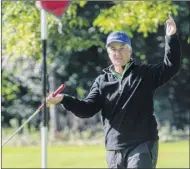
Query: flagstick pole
point(44, 115)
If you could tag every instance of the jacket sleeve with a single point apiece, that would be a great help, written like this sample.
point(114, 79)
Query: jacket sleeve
point(162, 72)
point(87, 107)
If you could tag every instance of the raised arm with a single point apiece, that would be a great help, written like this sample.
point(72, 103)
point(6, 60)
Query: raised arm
point(162, 72)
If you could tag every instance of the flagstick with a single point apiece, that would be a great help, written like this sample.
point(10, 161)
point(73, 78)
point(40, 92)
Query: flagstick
point(44, 119)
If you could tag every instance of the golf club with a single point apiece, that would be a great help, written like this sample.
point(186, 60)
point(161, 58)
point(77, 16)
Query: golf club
point(59, 90)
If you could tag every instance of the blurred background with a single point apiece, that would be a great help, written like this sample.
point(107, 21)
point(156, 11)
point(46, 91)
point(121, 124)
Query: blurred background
point(76, 58)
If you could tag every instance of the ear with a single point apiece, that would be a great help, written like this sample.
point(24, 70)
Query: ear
point(130, 50)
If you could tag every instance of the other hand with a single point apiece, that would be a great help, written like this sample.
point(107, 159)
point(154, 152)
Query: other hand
point(170, 26)
point(54, 99)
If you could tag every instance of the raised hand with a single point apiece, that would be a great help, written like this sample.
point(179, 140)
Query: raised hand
point(170, 26)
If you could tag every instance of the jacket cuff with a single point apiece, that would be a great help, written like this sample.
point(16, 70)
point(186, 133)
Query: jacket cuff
point(168, 38)
point(65, 99)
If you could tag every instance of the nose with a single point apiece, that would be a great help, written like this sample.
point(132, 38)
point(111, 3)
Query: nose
point(116, 52)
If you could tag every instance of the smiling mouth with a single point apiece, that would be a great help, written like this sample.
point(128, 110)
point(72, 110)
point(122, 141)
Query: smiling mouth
point(118, 58)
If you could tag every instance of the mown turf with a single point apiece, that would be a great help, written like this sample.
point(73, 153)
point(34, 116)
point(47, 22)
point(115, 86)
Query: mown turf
point(171, 155)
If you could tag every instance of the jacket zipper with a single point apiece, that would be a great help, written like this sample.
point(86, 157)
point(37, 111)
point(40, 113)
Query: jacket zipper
point(120, 84)
point(120, 87)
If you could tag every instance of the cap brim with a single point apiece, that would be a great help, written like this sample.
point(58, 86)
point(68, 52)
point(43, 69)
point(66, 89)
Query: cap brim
point(115, 41)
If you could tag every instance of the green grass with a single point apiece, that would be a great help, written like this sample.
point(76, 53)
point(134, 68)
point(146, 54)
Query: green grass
point(171, 155)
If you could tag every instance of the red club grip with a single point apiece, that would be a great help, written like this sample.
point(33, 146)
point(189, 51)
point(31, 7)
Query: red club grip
point(59, 90)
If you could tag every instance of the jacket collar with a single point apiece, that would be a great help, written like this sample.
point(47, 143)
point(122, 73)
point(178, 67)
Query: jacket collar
point(108, 69)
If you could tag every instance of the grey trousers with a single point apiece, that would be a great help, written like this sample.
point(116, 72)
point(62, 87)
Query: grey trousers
point(143, 155)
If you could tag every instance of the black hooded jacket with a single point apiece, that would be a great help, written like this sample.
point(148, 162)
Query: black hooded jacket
point(126, 104)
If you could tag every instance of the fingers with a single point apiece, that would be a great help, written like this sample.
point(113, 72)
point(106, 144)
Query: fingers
point(54, 99)
point(47, 105)
point(170, 26)
point(48, 99)
point(170, 21)
point(170, 17)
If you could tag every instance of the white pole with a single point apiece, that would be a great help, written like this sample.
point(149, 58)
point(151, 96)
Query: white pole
point(0, 92)
point(44, 115)
point(43, 25)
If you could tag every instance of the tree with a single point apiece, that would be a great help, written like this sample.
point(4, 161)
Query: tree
point(21, 42)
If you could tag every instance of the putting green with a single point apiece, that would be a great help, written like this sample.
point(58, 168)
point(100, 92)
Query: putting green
point(171, 155)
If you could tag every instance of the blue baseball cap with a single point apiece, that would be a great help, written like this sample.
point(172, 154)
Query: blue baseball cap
point(118, 36)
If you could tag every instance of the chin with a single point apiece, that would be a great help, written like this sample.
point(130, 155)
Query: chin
point(119, 64)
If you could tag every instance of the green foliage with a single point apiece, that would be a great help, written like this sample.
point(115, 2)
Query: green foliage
point(22, 70)
point(21, 31)
point(168, 133)
point(80, 92)
point(188, 40)
point(143, 17)
point(10, 88)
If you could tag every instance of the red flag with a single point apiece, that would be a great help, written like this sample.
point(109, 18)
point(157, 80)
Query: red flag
point(57, 8)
